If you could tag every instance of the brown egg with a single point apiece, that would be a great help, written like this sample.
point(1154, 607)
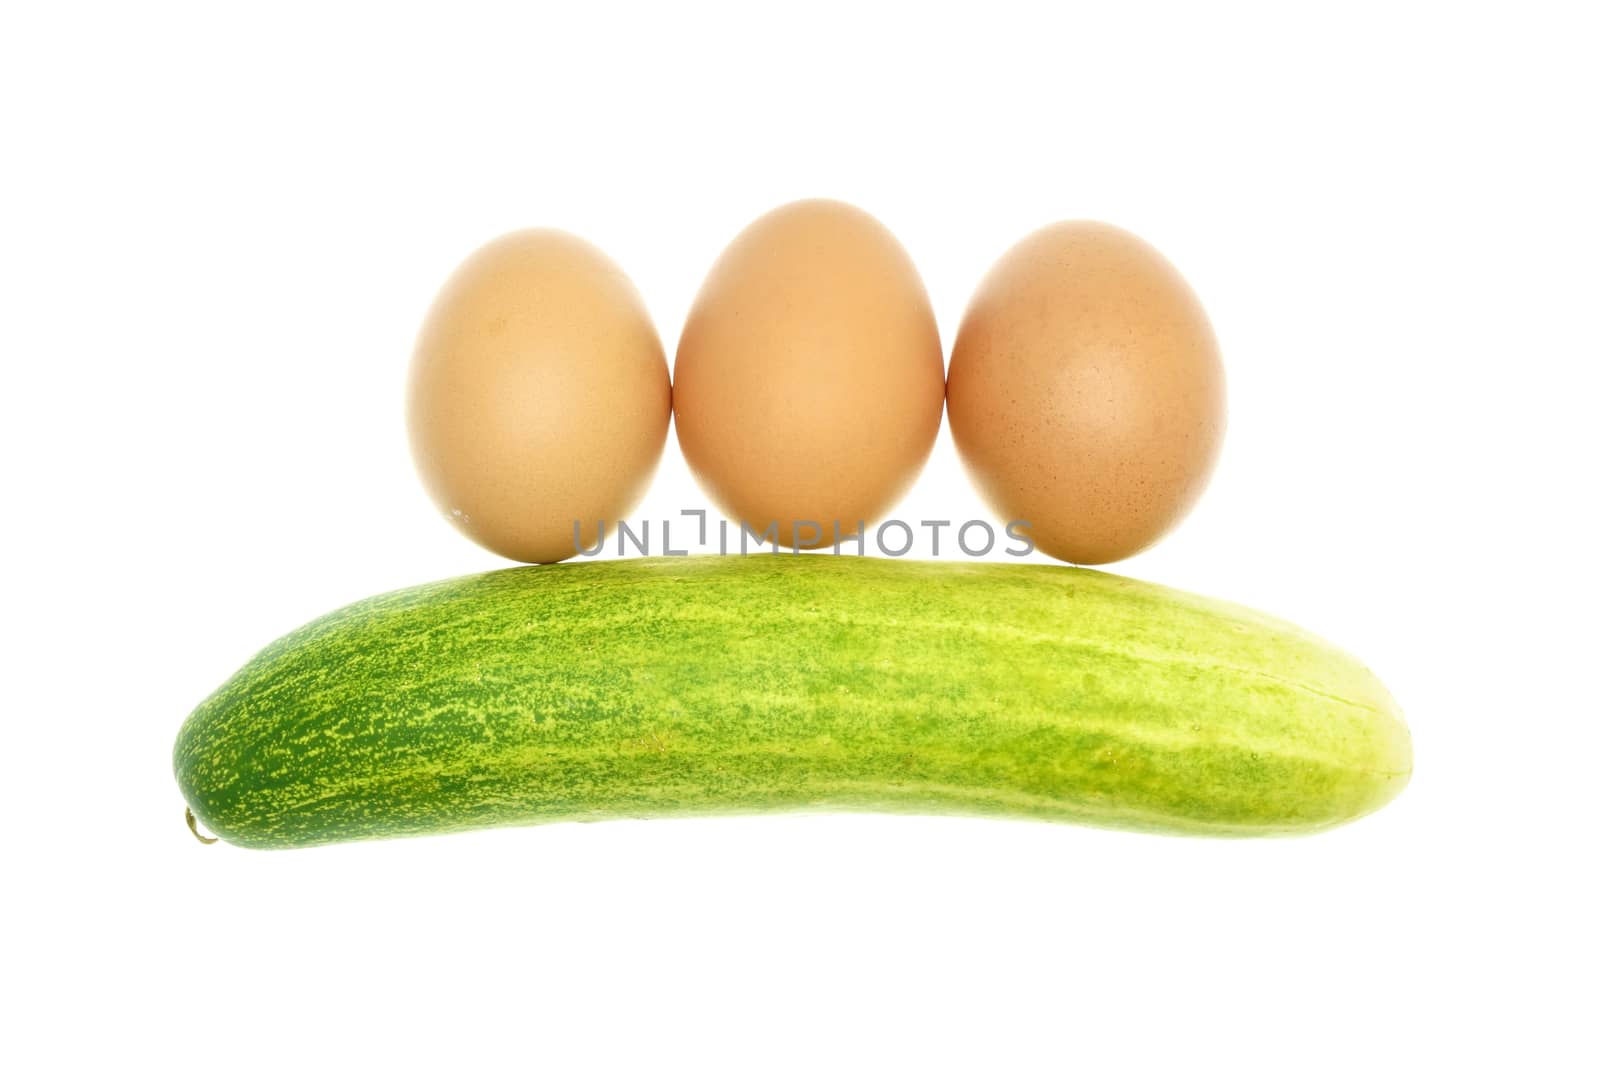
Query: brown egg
point(1086, 392)
point(539, 396)
point(809, 380)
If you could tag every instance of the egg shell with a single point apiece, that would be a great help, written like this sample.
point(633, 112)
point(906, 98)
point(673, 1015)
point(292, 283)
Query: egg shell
point(809, 379)
point(1086, 392)
point(539, 396)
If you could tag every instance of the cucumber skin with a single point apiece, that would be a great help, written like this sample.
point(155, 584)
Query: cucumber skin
point(716, 685)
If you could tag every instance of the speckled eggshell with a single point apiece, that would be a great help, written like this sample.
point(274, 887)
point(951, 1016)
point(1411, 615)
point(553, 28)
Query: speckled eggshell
point(538, 396)
point(809, 380)
point(1086, 392)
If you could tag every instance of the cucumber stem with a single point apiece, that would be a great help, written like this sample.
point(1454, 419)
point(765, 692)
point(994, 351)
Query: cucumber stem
point(188, 818)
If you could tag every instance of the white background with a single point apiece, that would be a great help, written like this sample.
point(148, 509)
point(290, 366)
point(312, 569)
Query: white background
point(221, 226)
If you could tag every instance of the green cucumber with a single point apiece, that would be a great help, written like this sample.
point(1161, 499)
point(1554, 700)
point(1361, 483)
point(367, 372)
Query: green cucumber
point(711, 685)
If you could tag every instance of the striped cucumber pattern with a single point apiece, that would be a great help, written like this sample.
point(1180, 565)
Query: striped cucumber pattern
point(711, 685)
